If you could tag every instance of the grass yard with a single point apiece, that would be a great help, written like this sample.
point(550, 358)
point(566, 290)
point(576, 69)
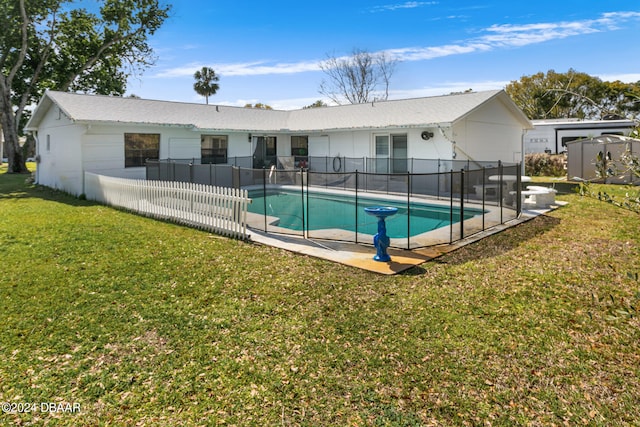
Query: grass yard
point(141, 322)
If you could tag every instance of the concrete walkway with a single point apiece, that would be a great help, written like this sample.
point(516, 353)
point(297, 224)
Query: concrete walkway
point(361, 256)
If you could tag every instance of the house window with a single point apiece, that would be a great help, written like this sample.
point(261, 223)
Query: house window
point(300, 150)
point(48, 142)
point(213, 149)
point(138, 147)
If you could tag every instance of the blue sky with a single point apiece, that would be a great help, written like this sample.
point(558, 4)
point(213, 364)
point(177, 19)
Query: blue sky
point(268, 51)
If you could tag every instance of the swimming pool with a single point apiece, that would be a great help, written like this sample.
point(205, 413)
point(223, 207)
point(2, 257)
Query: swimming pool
point(319, 211)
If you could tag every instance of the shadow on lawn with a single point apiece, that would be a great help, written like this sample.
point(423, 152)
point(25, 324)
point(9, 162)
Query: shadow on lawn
point(499, 244)
point(20, 186)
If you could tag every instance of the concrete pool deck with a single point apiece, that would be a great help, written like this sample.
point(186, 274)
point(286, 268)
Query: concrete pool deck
point(361, 255)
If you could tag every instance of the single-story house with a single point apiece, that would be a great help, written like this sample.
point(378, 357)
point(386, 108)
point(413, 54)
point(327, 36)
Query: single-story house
point(114, 135)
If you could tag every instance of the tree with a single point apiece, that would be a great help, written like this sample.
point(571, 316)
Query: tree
point(46, 45)
point(319, 103)
point(205, 84)
point(259, 106)
point(573, 95)
point(357, 78)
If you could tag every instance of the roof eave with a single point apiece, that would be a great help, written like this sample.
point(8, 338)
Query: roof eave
point(508, 103)
point(34, 121)
point(372, 128)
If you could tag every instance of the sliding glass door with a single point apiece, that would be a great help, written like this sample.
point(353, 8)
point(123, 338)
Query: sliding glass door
point(390, 153)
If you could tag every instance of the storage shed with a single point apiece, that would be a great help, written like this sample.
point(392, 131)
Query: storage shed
point(584, 156)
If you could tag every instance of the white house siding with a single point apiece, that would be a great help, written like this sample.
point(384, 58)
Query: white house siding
point(489, 134)
point(350, 144)
point(182, 148)
point(436, 147)
point(60, 153)
point(239, 145)
point(103, 153)
point(362, 143)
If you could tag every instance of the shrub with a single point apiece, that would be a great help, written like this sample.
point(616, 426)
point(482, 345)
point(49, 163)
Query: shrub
point(543, 164)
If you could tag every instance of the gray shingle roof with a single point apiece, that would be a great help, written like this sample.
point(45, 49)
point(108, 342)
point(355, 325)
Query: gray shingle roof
point(417, 112)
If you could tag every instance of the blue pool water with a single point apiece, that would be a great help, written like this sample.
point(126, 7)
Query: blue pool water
point(323, 211)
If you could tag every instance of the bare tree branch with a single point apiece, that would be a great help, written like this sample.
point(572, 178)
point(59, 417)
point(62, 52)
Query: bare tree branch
point(357, 78)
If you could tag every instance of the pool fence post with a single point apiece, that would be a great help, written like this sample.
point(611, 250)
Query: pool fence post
point(264, 195)
point(518, 191)
point(451, 208)
point(304, 232)
point(356, 227)
point(484, 192)
point(462, 176)
point(307, 201)
point(438, 182)
point(500, 189)
point(409, 209)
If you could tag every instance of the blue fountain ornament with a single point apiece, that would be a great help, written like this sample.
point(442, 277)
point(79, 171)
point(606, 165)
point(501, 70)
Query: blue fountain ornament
point(381, 241)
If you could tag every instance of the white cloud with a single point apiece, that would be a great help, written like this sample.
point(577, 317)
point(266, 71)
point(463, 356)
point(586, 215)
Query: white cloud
point(255, 68)
point(625, 78)
point(260, 68)
point(513, 36)
point(494, 37)
point(405, 5)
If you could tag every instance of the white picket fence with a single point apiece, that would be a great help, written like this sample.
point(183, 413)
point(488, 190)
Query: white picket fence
point(216, 209)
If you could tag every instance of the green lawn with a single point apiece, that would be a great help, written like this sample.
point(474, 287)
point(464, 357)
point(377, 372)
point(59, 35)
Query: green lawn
point(141, 322)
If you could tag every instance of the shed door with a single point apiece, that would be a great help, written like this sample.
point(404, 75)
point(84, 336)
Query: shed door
point(589, 155)
point(614, 152)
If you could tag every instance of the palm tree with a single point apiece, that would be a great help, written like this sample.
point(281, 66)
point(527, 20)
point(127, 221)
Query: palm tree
point(205, 82)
